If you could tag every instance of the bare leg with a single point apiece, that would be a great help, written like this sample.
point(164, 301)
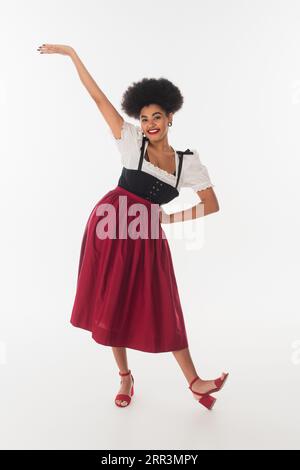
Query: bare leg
point(121, 358)
point(120, 355)
point(185, 362)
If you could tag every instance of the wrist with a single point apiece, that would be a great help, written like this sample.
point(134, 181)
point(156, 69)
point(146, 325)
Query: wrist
point(72, 53)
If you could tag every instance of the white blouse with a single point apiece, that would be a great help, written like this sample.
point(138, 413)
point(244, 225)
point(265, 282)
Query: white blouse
point(193, 174)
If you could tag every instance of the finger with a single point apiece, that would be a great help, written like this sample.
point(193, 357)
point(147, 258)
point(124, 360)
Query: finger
point(42, 48)
point(47, 49)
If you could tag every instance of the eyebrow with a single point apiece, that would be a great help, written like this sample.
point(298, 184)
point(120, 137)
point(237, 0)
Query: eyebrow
point(157, 112)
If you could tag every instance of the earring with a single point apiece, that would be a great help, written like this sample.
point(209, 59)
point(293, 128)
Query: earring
point(170, 124)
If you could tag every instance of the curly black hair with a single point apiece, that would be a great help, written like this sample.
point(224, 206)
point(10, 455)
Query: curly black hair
point(151, 91)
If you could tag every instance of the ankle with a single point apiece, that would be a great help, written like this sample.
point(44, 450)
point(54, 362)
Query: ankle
point(126, 378)
point(196, 378)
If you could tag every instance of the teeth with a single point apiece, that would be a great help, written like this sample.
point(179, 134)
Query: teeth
point(156, 130)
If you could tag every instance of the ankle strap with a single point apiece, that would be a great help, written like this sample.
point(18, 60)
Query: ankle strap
point(125, 373)
point(193, 381)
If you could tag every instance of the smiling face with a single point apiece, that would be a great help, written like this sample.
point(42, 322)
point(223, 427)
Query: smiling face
point(154, 117)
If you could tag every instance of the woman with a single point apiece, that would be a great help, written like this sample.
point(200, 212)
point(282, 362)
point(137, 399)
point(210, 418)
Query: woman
point(126, 292)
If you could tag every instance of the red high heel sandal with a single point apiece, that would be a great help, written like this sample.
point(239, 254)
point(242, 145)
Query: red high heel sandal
point(206, 399)
point(123, 396)
point(219, 383)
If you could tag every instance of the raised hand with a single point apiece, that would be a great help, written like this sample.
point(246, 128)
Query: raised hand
point(55, 49)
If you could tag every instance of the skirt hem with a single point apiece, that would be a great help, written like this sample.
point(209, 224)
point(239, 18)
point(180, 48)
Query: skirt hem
point(128, 345)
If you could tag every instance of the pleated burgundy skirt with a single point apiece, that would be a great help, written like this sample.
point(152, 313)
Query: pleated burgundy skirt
point(126, 293)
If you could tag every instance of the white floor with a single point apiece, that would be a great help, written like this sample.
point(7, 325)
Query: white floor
point(60, 397)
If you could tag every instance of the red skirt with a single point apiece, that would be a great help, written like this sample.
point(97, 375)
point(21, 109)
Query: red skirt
point(126, 293)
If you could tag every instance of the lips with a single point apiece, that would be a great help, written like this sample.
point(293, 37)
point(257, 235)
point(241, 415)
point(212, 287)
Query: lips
point(153, 131)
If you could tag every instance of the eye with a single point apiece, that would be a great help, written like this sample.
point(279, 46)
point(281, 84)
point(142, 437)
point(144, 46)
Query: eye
point(156, 117)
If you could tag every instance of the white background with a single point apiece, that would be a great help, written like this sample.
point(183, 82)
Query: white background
point(237, 65)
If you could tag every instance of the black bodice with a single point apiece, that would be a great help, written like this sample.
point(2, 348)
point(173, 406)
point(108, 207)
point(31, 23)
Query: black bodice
point(147, 186)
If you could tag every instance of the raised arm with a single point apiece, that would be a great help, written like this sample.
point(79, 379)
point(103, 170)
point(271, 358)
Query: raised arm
point(108, 111)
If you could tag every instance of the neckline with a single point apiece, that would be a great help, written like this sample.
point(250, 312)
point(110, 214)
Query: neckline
point(161, 170)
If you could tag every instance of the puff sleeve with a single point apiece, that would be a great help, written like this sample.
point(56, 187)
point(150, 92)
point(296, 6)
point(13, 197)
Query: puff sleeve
point(195, 173)
point(129, 143)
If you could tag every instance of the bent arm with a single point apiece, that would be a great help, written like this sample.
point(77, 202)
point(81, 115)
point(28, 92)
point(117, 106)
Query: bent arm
point(208, 205)
point(108, 111)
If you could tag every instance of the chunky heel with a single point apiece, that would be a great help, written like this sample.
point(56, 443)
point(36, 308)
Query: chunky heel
point(208, 401)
